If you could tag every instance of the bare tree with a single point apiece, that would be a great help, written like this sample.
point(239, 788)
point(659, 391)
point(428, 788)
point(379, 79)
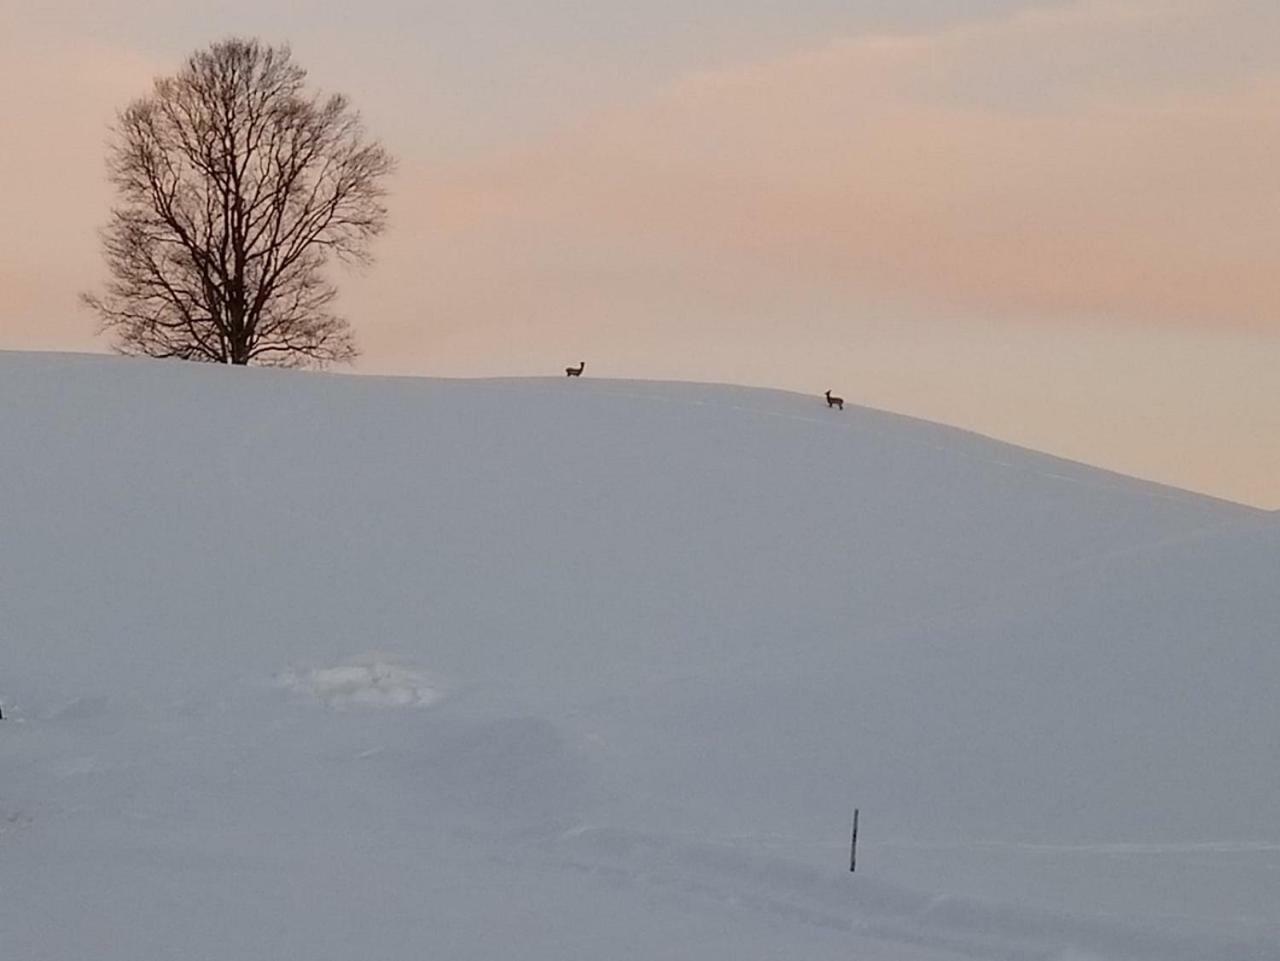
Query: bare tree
point(234, 187)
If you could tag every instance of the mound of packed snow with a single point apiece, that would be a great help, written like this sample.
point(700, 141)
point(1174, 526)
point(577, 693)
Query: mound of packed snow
point(686, 629)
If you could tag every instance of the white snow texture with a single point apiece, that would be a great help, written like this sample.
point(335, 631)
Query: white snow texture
point(638, 651)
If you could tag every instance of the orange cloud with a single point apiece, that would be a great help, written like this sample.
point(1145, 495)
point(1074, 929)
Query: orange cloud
point(1106, 159)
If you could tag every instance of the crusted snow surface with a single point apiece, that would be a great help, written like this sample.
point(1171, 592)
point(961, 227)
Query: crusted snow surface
point(370, 681)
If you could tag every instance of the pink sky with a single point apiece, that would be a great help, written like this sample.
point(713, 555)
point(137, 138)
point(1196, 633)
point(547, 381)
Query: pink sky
point(1057, 225)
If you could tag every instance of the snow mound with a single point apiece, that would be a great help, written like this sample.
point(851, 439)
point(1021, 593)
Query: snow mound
point(693, 626)
point(368, 682)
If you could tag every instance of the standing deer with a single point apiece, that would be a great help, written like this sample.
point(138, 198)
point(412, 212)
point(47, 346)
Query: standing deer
point(575, 371)
point(833, 401)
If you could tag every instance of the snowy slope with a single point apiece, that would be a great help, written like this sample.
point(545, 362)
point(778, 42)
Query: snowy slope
point(332, 667)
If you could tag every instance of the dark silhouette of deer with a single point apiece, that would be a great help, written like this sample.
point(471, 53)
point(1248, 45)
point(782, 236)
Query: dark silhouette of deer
point(575, 371)
point(833, 401)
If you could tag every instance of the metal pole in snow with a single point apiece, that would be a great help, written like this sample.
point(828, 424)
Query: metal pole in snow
point(853, 845)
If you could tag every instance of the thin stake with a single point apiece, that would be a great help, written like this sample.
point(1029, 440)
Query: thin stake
point(853, 845)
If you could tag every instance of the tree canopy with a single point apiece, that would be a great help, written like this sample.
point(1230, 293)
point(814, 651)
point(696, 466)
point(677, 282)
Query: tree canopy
point(235, 189)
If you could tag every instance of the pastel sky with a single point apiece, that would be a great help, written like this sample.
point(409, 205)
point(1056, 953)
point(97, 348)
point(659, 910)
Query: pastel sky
point(1057, 223)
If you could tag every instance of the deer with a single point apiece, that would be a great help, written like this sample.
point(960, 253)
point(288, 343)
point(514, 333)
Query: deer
point(575, 371)
point(833, 401)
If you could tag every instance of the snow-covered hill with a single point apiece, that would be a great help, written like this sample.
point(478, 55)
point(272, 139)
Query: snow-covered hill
point(299, 666)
